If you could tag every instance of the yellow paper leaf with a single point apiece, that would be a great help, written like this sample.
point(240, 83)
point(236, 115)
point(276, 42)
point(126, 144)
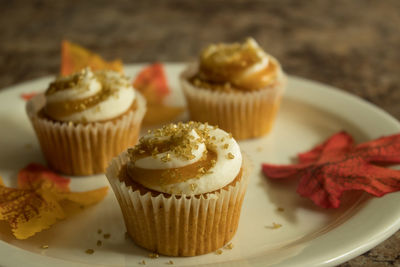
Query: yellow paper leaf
point(41, 200)
point(36, 217)
point(74, 202)
point(75, 58)
point(160, 114)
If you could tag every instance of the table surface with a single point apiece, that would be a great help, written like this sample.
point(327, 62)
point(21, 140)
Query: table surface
point(353, 45)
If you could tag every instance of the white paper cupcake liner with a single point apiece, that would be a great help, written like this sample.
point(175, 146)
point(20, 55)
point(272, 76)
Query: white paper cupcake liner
point(244, 114)
point(84, 149)
point(179, 225)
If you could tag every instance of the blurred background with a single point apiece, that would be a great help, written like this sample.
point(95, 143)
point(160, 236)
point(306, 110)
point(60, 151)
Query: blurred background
point(353, 45)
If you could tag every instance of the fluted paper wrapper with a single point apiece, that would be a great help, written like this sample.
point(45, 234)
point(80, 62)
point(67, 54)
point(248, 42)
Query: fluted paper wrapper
point(179, 225)
point(84, 149)
point(244, 114)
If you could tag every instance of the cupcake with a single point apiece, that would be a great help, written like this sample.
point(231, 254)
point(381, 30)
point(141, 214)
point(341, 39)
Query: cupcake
point(84, 120)
point(235, 86)
point(181, 189)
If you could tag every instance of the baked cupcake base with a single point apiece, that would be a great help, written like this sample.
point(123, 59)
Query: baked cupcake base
point(244, 114)
point(84, 149)
point(179, 225)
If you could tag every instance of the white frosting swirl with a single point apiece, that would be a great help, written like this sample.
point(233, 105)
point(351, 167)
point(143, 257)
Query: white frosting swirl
point(243, 66)
point(157, 161)
point(259, 66)
point(227, 164)
point(116, 90)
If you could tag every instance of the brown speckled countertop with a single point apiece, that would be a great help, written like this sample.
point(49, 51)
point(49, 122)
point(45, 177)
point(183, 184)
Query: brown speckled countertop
point(353, 45)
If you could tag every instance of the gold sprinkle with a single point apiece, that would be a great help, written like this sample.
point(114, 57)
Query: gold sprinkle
point(213, 138)
point(170, 262)
point(222, 139)
point(99, 231)
point(166, 158)
point(230, 156)
point(141, 151)
point(106, 236)
point(201, 170)
point(193, 187)
point(45, 246)
point(142, 262)
point(229, 246)
point(274, 226)
point(218, 252)
point(280, 209)
point(230, 135)
point(89, 251)
point(99, 243)
point(213, 162)
point(153, 255)
point(225, 146)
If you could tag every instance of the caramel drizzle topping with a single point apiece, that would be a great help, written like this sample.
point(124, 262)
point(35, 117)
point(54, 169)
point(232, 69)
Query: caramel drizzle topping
point(176, 138)
point(66, 108)
point(254, 82)
point(221, 67)
point(65, 83)
point(173, 137)
point(161, 177)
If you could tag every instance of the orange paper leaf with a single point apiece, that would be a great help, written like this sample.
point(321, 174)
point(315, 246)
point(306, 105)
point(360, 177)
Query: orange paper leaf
point(41, 199)
point(152, 83)
point(28, 96)
point(74, 58)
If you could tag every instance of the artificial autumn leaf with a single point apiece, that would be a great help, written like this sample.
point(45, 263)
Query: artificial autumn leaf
point(152, 83)
point(28, 96)
point(74, 58)
point(159, 114)
point(338, 165)
point(41, 199)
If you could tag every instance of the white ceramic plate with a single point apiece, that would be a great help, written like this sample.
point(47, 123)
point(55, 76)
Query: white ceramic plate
point(309, 236)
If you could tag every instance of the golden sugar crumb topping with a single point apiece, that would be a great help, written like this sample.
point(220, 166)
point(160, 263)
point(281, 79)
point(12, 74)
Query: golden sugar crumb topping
point(234, 67)
point(178, 139)
point(94, 87)
point(67, 82)
point(235, 56)
point(184, 158)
